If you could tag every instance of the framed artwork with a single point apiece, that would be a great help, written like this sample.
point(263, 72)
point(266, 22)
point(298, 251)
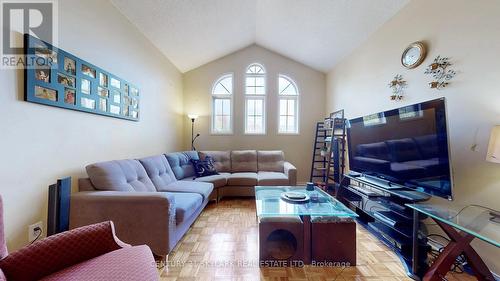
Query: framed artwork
point(64, 80)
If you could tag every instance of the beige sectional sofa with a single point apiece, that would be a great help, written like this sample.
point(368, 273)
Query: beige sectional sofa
point(239, 170)
point(154, 200)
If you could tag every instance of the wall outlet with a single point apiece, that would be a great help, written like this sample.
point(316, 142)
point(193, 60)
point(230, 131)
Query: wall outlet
point(35, 230)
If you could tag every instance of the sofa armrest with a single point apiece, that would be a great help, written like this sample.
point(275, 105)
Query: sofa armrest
point(60, 251)
point(291, 173)
point(139, 217)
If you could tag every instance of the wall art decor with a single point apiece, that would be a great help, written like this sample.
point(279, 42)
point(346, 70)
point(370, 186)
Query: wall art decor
point(60, 79)
point(398, 86)
point(441, 73)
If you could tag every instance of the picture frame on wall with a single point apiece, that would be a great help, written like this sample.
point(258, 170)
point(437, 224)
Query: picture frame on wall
point(66, 81)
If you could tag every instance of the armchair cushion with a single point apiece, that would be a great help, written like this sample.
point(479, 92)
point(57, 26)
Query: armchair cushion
point(120, 175)
point(60, 251)
point(131, 263)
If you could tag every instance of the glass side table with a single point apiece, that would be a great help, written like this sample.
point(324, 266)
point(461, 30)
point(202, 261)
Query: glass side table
point(461, 227)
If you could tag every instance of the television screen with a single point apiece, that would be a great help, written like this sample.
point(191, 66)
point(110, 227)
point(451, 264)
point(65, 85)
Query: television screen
point(407, 146)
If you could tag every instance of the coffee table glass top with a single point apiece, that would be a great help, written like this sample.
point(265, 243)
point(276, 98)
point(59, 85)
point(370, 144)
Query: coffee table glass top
point(270, 204)
point(474, 220)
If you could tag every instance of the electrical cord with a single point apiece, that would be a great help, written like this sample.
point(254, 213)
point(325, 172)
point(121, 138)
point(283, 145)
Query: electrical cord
point(40, 232)
point(458, 264)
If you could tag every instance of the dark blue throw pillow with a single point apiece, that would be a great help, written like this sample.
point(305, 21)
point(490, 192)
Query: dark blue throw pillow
point(204, 167)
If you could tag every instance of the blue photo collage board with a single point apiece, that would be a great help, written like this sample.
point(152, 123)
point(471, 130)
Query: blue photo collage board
point(57, 78)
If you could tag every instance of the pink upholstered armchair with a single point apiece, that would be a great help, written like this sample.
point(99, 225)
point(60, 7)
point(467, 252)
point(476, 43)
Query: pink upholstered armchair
point(90, 252)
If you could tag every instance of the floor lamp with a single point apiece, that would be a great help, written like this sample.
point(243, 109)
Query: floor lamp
point(193, 117)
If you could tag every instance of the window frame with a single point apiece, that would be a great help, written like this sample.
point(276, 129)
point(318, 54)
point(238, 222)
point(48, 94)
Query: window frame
point(296, 98)
point(262, 97)
point(214, 97)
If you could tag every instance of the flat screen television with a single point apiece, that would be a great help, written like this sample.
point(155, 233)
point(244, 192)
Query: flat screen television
point(407, 146)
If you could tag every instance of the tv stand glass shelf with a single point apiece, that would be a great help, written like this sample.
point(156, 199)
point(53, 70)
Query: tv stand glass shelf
point(462, 227)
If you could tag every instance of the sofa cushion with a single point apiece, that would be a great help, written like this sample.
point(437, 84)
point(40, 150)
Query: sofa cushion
point(242, 179)
point(120, 175)
point(130, 263)
point(243, 161)
point(272, 178)
point(271, 160)
point(222, 160)
point(190, 186)
point(180, 162)
point(186, 204)
point(217, 180)
point(158, 170)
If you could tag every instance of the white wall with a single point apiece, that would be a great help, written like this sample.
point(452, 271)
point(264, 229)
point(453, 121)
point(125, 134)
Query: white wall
point(39, 144)
point(297, 148)
point(467, 31)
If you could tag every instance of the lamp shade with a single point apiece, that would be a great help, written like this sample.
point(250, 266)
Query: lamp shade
point(494, 146)
point(193, 116)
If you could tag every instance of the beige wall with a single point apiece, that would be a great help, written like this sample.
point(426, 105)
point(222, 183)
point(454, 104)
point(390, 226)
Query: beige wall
point(38, 143)
point(467, 31)
point(311, 83)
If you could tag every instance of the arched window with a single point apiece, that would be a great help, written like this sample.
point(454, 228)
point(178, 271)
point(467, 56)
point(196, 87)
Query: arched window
point(288, 106)
point(222, 103)
point(255, 100)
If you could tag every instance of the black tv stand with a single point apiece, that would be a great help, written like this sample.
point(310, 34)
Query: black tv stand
point(381, 209)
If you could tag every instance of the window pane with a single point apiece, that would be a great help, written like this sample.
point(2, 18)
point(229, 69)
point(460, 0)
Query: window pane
point(226, 107)
point(259, 81)
point(250, 124)
point(259, 107)
point(291, 124)
point(224, 86)
point(251, 82)
point(250, 107)
point(218, 107)
point(218, 123)
point(291, 107)
point(259, 125)
point(260, 91)
point(282, 107)
point(286, 87)
point(226, 123)
point(282, 124)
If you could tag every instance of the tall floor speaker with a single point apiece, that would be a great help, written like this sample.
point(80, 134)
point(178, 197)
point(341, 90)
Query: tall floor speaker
point(58, 213)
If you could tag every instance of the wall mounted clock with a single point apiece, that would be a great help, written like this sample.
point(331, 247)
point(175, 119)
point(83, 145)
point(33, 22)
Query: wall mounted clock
point(413, 55)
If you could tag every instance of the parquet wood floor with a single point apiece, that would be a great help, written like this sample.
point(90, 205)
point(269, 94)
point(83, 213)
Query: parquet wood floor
point(222, 245)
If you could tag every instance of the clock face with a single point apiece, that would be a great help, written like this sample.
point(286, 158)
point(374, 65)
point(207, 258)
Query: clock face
point(413, 55)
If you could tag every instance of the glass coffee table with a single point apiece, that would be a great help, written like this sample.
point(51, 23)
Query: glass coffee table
point(275, 214)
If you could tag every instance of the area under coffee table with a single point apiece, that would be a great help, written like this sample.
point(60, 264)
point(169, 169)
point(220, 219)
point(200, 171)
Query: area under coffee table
point(320, 230)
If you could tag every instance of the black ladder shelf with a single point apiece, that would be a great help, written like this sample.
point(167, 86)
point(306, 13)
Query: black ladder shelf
point(319, 164)
point(336, 158)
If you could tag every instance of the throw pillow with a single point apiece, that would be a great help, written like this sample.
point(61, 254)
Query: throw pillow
point(204, 167)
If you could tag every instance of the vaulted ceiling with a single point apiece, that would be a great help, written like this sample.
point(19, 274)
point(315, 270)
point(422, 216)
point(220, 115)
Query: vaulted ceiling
point(317, 33)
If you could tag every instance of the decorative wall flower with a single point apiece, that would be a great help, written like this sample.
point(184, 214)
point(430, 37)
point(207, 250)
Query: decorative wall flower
point(397, 85)
point(440, 72)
